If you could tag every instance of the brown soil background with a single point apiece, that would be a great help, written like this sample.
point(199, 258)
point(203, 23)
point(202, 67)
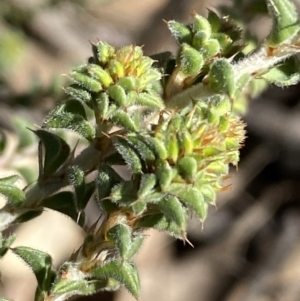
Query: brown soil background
point(249, 247)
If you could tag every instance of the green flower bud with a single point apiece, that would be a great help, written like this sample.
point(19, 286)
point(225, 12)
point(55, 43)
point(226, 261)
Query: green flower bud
point(172, 147)
point(187, 168)
point(186, 142)
point(224, 42)
point(181, 33)
point(199, 39)
point(221, 77)
point(164, 174)
point(201, 24)
point(104, 52)
point(100, 74)
point(210, 49)
point(129, 83)
point(118, 94)
point(191, 60)
point(116, 69)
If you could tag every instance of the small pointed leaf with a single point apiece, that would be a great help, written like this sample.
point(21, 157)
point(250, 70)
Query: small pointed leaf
point(193, 199)
point(148, 182)
point(85, 81)
point(121, 235)
point(122, 119)
point(285, 21)
point(124, 272)
point(40, 263)
point(60, 119)
point(128, 154)
point(173, 210)
point(15, 196)
point(191, 60)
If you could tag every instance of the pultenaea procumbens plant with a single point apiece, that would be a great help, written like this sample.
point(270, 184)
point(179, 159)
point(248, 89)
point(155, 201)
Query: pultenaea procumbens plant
point(171, 119)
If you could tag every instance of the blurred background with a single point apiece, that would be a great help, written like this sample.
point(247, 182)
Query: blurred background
point(249, 247)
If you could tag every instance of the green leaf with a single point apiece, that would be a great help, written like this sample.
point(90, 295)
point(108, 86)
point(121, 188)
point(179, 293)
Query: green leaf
point(122, 119)
point(121, 235)
point(123, 272)
point(100, 74)
point(185, 141)
point(124, 193)
point(85, 81)
point(187, 168)
point(148, 182)
point(59, 119)
point(102, 105)
point(5, 243)
point(214, 21)
point(192, 198)
point(286, 74)
point(149, 100)
point(164, 174)
point(136, 243)
point(128, 153)
point(129, 83)
point(9, 180)
point(56, 151)
point(156, 146)
point(138, 207)
point(159, 222)
point(15, 196)
point(40, 263)
point(285, 21)
point(77, 93)
point(209, 194)
point(173, 210)
point(137, 142)
point(118, 94)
